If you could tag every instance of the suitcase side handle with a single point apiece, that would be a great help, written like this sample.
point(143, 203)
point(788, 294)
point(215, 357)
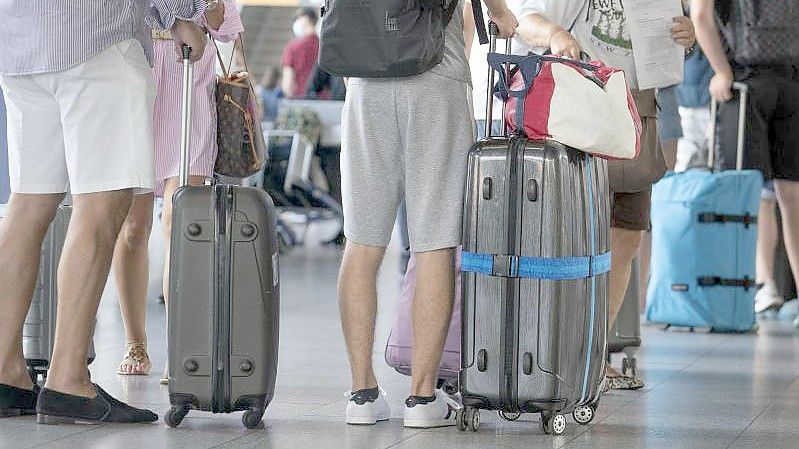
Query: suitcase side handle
point(185, 119)
point(743, 90)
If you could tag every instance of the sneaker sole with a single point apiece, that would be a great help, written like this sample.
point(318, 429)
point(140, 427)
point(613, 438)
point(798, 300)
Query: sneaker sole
point(365, 421)
point(413, 424)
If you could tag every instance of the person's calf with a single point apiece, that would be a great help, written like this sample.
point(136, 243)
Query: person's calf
point(82, 275)
point(22, 231)
point(357, 293)
point(432, 312)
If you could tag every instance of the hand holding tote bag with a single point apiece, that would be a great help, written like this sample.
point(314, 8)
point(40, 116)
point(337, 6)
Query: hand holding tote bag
point(240, 140)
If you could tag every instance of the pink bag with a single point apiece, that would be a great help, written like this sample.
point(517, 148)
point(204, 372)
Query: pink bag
point(400, 341)
point(587, 106)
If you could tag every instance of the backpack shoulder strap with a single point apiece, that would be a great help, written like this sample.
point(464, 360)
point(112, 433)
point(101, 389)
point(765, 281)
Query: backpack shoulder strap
point(479, 22)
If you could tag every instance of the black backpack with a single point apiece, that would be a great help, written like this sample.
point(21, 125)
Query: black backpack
point(383, 38)
point(760, 32)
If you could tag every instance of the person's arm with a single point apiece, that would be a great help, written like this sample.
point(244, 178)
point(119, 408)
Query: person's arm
point(468, 26)
point(500, 14)
point(537, 31)
point(287, 82)
point(215, 16)
point(180, 16)
point(226, 24)
point(707, 34)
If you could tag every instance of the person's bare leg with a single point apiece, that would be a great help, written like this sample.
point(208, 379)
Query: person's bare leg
point(357, 293)
point(432, 311)
point(624, 245)
point(82, 274)
point(788, 197)
point(644, 261)
point(766, 241)
point(131, 270)
point(22, 232)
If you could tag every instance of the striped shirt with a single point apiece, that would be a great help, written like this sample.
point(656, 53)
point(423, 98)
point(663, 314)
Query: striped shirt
point(44, 36)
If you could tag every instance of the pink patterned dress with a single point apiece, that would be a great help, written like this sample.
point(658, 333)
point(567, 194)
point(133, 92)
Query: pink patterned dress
point(168, 74)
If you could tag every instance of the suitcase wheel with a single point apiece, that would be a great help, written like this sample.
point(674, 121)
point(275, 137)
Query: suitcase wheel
point(553, 423)
point(175, 415)
point(468, 418)
point(629, 364)
point(252, 418)
point(584, 414)
point(509, 416)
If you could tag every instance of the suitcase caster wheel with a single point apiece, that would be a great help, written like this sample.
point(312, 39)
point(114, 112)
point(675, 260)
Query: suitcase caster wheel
point(175, 415)
point(628, 364)
point(584, 414)
point(553, 424)
point(252, 418)
point(509, 416)
point(472, 417)
point(460, 418)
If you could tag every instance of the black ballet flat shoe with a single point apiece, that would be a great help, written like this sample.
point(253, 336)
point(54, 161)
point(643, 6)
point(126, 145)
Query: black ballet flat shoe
point(17, 401)
point(59, 408)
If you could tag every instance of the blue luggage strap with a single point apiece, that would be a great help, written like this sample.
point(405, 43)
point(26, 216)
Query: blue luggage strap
point(551, 268)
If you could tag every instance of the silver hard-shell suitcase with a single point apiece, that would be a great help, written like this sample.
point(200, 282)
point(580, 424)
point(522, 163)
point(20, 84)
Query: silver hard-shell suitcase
point(531, 343)
point(224, 296)
point(625, 336)
point(38, 332)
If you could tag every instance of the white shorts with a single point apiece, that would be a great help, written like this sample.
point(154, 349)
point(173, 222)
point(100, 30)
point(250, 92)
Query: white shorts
point(83, 130)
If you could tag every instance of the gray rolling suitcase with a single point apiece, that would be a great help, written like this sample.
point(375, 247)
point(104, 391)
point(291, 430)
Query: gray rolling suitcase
point(38, 332)
point(535, 258)
point(625, 336)
point(224, 296)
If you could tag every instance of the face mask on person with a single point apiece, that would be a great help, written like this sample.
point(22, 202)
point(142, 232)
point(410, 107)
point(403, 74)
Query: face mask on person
point(298, 29)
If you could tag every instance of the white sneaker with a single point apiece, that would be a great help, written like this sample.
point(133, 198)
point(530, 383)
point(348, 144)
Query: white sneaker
point(424, 414)
point(768, 298)
point(366, 407)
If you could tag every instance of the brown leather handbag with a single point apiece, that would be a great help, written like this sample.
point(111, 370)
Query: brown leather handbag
point(239, 138)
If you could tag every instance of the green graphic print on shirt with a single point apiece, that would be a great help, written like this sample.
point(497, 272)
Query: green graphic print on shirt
point(609, 29)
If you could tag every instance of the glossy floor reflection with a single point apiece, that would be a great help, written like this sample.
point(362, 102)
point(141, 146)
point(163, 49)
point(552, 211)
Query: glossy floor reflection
point(703, 391)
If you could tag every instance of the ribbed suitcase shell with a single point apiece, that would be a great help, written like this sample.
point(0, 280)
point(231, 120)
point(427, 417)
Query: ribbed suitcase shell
point(224, 299)
point(533, 335)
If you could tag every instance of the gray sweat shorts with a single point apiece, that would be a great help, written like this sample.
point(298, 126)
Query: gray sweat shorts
point(405, 137)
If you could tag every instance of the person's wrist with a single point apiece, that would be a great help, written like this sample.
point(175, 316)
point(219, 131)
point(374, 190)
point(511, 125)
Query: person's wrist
point(499, 13)
point(555, 32)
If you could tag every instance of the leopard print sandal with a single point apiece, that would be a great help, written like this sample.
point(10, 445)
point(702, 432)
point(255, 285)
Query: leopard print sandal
point(137, 359)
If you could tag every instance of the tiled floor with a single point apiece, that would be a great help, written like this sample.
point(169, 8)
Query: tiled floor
point(703, 391)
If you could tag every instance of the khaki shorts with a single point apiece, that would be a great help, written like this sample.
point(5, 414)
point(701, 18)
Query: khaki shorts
point(631, 210)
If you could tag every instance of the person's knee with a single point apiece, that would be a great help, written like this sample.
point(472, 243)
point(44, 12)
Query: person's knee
point(360, 262)
point(135, 233)
point(787, 194)
point(625, 243)
point(102, 214)
point(35, 211)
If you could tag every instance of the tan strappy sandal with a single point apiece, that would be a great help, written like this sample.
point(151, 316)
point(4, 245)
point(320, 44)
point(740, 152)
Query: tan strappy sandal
point(136, 357)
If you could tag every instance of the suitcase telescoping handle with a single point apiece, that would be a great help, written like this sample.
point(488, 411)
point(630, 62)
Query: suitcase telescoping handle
point(185, 117)
point(493, 31)
point(743, 97)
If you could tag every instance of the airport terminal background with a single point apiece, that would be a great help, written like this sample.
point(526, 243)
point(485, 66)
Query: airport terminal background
point(703, 390)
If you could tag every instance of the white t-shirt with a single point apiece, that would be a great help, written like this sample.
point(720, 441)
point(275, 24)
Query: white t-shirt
point(478, 62)
point(600, 28)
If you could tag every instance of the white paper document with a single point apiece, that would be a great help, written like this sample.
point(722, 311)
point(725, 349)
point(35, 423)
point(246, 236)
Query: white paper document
point(658, 59)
